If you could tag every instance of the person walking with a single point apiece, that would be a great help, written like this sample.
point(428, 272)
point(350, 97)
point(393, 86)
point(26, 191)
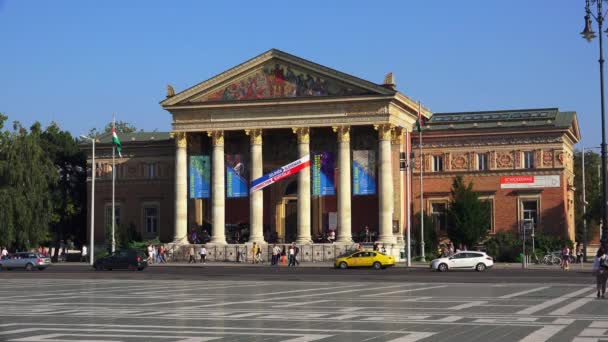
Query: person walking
point(600, 269)
point(291, 255)
point(579, 253)
point(254, 253)
point(162, 259)
point(191, 259)
point(83, 253)
point(203, 254)
point(276, 251)
point(566, 258)
point(296, 251)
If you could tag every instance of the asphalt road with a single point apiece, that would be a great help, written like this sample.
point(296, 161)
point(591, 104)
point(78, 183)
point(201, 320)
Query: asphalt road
point(314, 274)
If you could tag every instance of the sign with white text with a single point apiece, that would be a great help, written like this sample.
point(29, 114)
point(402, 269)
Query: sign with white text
point(527, 182)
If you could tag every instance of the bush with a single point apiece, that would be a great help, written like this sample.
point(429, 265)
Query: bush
point(506, 247)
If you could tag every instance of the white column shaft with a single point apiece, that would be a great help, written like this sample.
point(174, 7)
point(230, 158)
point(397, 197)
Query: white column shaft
point(256, 201)
point(218, 200)
point(344, 211)
point(386, 193)
point(181, 194)
point(304, 197)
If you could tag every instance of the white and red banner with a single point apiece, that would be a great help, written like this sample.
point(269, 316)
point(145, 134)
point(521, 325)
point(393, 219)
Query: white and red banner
point(278, 174)
point(525, 182)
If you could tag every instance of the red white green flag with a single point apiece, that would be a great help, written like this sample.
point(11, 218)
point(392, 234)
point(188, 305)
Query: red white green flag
point(419, 121)
point(116, 142)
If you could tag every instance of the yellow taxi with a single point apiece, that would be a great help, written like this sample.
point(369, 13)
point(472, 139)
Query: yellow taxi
point(365, 258)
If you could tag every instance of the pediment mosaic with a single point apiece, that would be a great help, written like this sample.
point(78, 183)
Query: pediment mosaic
point(281, 80)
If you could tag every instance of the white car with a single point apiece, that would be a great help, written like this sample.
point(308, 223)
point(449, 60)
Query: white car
point(471, 260)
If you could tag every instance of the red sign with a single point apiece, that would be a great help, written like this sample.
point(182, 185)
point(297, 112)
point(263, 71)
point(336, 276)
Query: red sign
point(516, 179)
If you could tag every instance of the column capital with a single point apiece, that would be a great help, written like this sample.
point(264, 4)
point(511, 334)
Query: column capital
point(303, 134)
point(343, 133)
point(385, 131)
point(255, 136)
point(217, 137)
point(397, 135)
point(180, 138)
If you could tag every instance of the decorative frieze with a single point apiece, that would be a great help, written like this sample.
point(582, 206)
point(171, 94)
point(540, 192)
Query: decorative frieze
point(510, 140)
point(459, 161)
point(504, 160)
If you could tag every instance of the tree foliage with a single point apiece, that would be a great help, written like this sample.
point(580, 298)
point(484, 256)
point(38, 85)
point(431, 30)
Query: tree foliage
point(26, 175)
point(468, 216)
point(121, 127)
point(593, 193)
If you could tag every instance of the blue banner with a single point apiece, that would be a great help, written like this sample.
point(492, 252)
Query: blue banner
point(364, 172)
point(200, 177)
point(236, 176)
point(323, 166)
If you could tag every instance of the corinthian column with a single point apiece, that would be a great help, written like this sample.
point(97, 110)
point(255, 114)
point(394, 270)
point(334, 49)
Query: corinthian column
point(181, 188)
point(218, 205)
point(399, 212)
point(386, 184)
point(303, 134)
point(256, 199)
point(344, 214)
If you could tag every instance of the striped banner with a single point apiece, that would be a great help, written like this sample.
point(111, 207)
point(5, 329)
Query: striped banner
point(278, 174)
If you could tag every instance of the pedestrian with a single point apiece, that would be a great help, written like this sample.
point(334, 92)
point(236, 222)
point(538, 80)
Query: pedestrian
point(191, 259)
point(83, 253)
point(291, 257)
point(161, 254)
point(382, 249)
point(203, 254)
point(579, 253)
point(566, 258)
point(275, 255)
point(283, 256)
point(4, 252)
point(368, 235)
point(254, 253)
point(150, 254)
point(451, 248)
point(296, 251)
point(600, 270)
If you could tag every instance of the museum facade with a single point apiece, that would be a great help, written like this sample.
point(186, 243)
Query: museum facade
point(281, 149)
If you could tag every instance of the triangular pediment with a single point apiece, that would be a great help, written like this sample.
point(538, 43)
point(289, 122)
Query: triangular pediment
point(276, 75)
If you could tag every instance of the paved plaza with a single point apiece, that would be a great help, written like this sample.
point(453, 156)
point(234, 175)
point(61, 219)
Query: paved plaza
point(103, 310)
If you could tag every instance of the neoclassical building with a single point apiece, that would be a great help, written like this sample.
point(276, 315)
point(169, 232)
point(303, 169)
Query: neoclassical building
point(248, 122)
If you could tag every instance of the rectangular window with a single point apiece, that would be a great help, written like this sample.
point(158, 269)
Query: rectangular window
point(529, 211)
point(150, 171)
point(437, 163)
point(151, 219)
point(108, 215)
point(482, 161)
point(439, 216)
point(490, 201)
point(528, 160)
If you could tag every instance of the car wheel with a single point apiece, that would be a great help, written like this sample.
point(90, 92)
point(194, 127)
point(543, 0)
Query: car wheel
point(98, 267)
point(480, 267)
point(29, 267)
point(40, 268)
point(377, 265)
point(140, 268)
point(343, 265)
point(442, 267)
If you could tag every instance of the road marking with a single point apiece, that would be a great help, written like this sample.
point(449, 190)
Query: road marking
point(344, 291)
point(300, 303)
point(599, 324)
point(521, 293)
point(573, 306)
point(412, 337)
point(549, 303)
point(450, 319)
point(543, 333)
point(307, 290)
point(401, 291)
point(594, 332)
point(467, 305)
point(54, 338)
point(344, 317)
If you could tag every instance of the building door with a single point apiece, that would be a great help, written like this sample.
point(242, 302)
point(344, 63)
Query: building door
point(291, 220)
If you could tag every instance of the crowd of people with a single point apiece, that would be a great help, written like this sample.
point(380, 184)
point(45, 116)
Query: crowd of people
point(156, 254)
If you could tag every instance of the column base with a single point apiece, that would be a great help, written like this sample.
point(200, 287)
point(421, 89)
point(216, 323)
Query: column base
point(217, 242)
point(180, 241)
point(387, 239)
point(345, 240)
point(304, 241)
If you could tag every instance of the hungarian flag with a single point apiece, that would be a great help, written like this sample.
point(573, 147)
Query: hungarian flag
point(419, 122)
point(116, 142)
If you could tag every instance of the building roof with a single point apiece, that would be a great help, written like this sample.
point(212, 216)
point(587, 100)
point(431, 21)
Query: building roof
point(106, 138)
point(518, 118)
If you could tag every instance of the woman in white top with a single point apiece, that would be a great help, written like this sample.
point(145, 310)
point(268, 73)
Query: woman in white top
point(601, 271)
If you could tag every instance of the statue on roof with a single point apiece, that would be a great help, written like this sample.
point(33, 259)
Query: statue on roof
point(170, 91)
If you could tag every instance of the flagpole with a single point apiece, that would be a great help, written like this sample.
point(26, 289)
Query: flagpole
point(408, 198)
point(113, 186)
point(423, 257)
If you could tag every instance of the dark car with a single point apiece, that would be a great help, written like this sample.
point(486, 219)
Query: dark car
point(129, 259)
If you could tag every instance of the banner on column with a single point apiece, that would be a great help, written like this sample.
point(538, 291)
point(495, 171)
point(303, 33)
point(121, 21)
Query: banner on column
point(364, 172)
point(236, 176)
point(200, 176)
point(323, 166)
point(278, 174)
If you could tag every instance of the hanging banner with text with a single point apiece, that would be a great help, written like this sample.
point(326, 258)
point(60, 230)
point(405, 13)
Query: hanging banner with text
point(323, 166)
point(364, 172)
point(200, 176)
point(236, 176)
point(526, 182)
point(278, 174)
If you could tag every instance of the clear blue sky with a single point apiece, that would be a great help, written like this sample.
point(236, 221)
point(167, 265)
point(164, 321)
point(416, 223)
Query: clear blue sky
point(77, 62)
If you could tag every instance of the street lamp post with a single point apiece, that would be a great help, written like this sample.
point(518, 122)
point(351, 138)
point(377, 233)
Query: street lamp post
point(588, 34)
point(93, 171)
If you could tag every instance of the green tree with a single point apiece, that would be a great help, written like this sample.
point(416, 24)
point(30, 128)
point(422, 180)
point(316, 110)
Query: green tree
point(26, 175)
point(468, 216)
point(69, 193)
point(592, 193)
point(121, 127)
